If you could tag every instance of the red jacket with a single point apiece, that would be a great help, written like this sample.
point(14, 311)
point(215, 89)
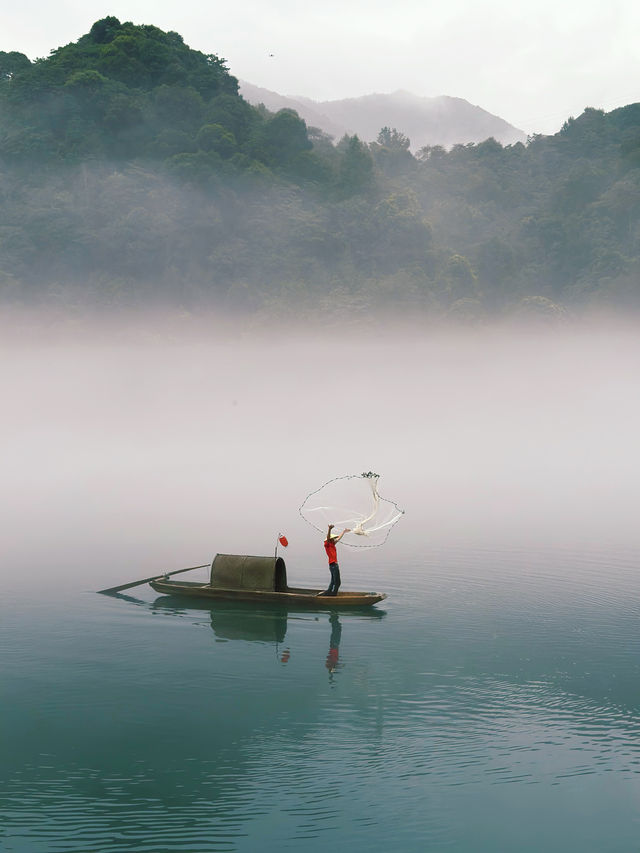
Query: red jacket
point(330, 548)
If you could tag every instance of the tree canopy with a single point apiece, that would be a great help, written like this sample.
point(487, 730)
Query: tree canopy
point(132, 172)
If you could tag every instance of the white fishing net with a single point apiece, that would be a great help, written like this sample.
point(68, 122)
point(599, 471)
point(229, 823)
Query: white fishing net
point(352, 502)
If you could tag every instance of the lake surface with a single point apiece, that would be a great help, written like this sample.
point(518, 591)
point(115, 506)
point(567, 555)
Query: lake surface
point(491, 703)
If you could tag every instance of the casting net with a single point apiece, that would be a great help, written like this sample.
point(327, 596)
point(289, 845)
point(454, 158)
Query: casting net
point(352, 501)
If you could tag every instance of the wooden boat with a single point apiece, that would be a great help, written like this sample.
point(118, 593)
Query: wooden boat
point(237, 577)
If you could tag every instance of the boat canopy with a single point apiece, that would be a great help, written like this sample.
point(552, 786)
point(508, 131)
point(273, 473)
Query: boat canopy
point(238, 571)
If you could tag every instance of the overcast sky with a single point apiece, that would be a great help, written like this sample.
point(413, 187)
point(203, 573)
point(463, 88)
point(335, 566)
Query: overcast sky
point(533, 64)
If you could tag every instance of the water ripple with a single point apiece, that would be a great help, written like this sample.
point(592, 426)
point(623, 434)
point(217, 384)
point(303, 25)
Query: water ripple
point(504, 680)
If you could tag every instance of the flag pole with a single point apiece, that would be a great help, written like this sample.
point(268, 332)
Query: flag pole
point(281, 539)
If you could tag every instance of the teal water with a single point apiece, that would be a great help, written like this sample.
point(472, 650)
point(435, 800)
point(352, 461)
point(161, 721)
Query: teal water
point(492, 703)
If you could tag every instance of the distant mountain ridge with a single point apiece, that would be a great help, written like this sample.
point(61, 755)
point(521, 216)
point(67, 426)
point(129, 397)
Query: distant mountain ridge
point(442, 120)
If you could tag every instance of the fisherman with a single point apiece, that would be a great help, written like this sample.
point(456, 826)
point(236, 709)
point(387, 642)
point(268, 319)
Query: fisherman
point(330, 547)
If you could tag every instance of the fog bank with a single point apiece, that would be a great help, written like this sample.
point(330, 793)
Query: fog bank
point(129, 457)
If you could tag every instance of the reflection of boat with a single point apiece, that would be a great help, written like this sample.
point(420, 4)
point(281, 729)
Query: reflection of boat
point(231, 620)
point(237, 577)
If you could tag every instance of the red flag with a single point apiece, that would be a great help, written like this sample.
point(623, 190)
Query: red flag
point(283, 540)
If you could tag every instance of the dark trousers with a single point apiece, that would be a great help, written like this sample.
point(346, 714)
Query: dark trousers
point(334, 586)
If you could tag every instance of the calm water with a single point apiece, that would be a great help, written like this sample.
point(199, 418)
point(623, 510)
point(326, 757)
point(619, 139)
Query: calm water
point(492, 703)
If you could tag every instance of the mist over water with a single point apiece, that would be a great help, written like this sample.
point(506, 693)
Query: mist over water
point(127, 454)
point(491, 701)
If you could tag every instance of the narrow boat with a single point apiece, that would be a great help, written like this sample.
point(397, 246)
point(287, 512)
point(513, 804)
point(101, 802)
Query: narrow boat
point(236, 577)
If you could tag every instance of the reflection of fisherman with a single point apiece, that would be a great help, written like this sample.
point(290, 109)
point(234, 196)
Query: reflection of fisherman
point(330, 547)
point(334, 642)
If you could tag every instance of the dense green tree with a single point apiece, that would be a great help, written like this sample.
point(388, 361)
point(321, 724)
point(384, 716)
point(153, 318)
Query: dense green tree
point(459, 279)
point(214, 137)
point(391, 152)
point(392, 139)
point(495, 263)
point(178, 106)
point(12, 63)
point(356, 167)
point(281, 139)
point(431, 152)
point(233, 113)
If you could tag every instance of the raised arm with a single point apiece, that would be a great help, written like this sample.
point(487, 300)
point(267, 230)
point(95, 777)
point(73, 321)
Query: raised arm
point(346, 530)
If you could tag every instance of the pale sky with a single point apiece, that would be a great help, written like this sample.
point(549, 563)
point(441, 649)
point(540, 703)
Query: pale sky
point(533, 64)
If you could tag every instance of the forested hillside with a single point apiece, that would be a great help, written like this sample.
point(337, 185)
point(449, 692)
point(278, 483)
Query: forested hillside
point(132, 173)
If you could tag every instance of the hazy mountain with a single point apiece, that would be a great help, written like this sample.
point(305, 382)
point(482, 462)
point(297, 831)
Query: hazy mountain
point(426, 121)
point(306, 108)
